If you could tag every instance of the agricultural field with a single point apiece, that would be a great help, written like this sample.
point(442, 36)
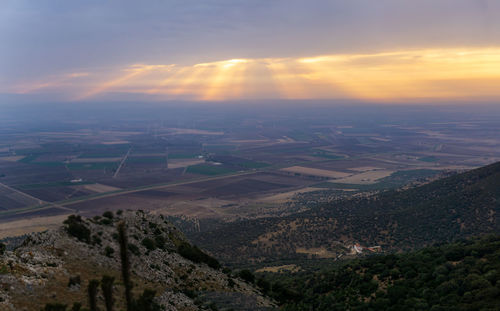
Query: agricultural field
point(208, 166)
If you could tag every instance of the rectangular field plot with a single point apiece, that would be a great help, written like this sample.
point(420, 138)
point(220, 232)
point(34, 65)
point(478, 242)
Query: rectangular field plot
point(11, 198)
point(308, 171)
point(207, 169)
point(243, 187)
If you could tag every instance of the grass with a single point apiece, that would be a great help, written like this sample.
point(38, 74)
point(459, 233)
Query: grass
point(28, 159)
point(53, 184)
point(146, 159)
point(428, 159)
point(205, 169)
point(325, 154)
point(253, 164)
point(109, 154)
point(93, 166)
point(395, 180)
point(183, 155)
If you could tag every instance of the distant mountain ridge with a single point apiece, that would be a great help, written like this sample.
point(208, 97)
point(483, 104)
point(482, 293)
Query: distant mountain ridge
point(441, 211)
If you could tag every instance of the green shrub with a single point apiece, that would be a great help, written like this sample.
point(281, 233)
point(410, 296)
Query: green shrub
point(149, 244)
point(74, 280)
point(194, 254)
point(108, 215)
point(247, 276)
point(108, 251)
point(145, 302)
point(134, 249)
point(77, 228)
point(54, 307)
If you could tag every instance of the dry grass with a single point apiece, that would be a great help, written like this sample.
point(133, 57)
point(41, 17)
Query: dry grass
point(20, 227)
point(364, 178)
point(320, 252)
point(11, 158)
point(100, 188)
point(96, 160)
point(176, 163)
point(315, 172)
point(280, 269)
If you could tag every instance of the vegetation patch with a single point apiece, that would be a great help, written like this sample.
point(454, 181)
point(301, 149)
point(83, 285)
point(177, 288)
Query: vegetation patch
point(205, 169)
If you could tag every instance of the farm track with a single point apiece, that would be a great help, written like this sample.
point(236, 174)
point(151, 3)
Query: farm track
point(121, 163)
point(22, 193)
point(64, 203)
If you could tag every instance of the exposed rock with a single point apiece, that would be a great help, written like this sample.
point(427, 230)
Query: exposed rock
point(40, 269)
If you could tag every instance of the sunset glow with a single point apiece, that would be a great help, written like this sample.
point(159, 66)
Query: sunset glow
point(398, 75)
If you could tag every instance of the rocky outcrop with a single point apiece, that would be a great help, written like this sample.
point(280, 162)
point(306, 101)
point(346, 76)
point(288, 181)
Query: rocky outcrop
point(55, 267)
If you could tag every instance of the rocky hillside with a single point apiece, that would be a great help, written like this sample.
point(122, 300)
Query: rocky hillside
point(55, 268)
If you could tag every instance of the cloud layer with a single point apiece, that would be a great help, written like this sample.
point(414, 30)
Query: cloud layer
point(85, 49)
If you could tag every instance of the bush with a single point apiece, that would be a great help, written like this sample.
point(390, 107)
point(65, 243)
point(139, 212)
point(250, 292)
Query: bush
point(54, 307)
point(160, 241)
point(247, 276)
point(194, 254)
point(149, 244)
point(76, 228)
point(108, 215)
point(146, 302)
point(108, 251)
point(2, 248)
point(134, 249)
point(74, 280)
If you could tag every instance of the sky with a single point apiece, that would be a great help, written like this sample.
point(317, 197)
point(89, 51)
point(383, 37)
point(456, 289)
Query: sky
point(228, 50)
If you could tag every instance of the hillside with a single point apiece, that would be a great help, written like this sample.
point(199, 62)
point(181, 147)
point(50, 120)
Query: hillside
point(56, 267)
point(459, 276)
point(444, 210)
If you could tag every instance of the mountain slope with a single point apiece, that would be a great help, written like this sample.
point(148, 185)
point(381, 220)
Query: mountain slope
point(459, 276)
point(458, 206)
point(56, 266)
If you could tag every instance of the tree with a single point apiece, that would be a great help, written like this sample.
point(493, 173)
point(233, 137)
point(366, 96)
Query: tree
point(125, 261)
point(92, 292)
point(107, 291)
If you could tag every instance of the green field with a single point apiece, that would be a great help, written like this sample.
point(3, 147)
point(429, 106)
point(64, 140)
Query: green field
point(93, 166)
point(428, 159)
point(326, 155)
point(205, 169)
point(183, 155)
point(53, 184)
point(146, 159)
point(252, 164)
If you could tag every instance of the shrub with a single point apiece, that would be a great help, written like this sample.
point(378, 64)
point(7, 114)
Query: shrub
point(160, 241)
point(149, 244)
point(146, 301)
point(54, 307)
point(194, 254)
point(134, 249)
point(74, 280)
point(2, 248)
point(77, 228)
point(108, 215)
point(108, 251)
point(96, 240)
point(247, 276)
